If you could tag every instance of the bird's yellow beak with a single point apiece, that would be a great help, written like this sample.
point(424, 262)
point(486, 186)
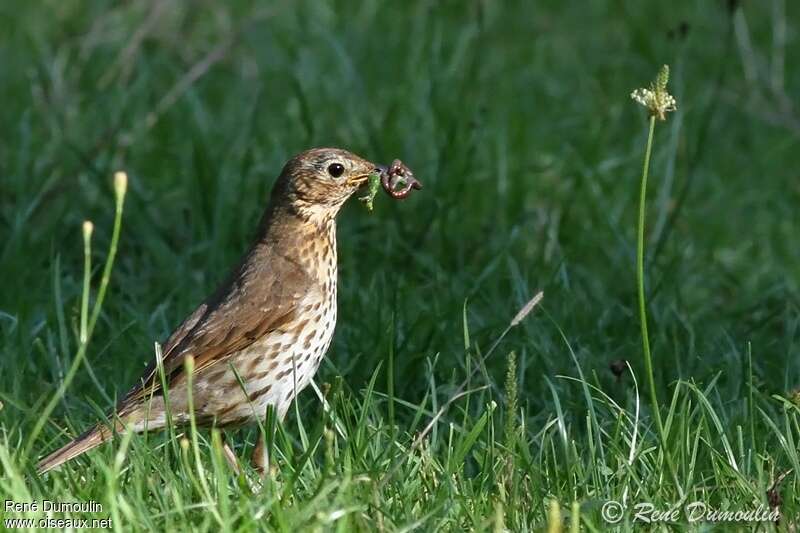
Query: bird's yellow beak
point(358, 180)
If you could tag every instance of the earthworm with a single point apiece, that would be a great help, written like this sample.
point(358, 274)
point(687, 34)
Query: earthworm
point(398, 173)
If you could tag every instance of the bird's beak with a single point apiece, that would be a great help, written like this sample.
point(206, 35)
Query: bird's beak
point(361, 179)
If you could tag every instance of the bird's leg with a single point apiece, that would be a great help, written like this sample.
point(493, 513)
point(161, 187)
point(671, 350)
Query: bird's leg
point(260, 459)
point(230, 457)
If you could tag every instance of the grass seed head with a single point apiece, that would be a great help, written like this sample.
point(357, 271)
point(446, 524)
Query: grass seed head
point(88, 228)
point(656, 98)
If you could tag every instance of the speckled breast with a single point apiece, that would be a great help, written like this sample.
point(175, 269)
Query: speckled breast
point(275, 368)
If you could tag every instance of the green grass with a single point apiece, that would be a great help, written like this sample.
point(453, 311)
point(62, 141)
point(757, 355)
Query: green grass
point(517, 119)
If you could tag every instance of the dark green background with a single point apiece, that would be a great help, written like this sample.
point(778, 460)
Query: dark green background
point(516, 116)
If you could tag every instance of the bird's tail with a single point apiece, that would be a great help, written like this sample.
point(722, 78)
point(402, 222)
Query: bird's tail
point(87, 441)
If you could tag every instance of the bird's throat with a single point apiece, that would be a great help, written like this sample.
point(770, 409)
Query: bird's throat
point(305, 236)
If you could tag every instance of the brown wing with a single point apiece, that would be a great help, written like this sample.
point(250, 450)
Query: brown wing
point(260, 296)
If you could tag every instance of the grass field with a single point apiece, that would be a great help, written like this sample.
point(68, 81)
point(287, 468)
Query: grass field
point(518, 119)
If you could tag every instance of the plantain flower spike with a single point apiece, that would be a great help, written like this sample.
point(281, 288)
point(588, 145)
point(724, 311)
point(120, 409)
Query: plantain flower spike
point(656, 99)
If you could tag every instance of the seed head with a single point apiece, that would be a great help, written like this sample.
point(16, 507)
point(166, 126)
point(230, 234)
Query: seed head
point(656, 98)
point(120, 187)
point(88, 227)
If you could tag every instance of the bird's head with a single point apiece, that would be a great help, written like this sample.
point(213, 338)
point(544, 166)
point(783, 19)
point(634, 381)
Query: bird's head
point(318, 181)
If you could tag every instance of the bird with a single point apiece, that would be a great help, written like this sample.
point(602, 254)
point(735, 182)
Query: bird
point(258, 340)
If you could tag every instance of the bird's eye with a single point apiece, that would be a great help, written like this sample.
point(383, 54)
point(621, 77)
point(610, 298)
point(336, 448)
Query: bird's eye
point(336, 170)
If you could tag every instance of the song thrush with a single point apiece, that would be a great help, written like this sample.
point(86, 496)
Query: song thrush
point(272, 320)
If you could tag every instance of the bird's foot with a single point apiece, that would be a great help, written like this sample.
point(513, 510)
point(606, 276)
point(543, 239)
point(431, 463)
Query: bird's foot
point(260, 458)
point(231, 459)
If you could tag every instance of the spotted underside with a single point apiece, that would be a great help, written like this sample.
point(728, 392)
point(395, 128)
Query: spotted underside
point(272, 369)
